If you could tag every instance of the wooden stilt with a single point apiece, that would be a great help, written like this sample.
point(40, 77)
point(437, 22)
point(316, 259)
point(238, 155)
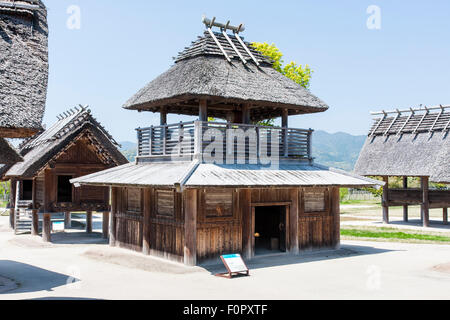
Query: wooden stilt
point(445, 216)
point(425, 207)
point(12, 219)
point(385, 201)
point(146, 222)
point(190, 228)
point(35, 223)
point(336, 212)
point(112, 221)
point(67, 220)
point(247, 224)
point(405, 207)
point(89, 222)
point(293, 221)
point(105, 225)
point(47, 228)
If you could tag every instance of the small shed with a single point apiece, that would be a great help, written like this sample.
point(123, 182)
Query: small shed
point(410, 143)
point(204, 188)
point(76, 145)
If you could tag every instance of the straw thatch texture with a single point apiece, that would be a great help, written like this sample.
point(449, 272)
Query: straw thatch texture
point(424, 154)
point(41, 149)
point(202, 72)
point(23, 68)
point(8, 154)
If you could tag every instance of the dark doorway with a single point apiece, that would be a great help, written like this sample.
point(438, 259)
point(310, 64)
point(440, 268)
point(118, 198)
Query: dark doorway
point(27, 190)
point(270, 229)
point(64, 189)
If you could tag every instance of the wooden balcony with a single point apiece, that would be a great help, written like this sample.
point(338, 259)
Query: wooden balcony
point(197, 139)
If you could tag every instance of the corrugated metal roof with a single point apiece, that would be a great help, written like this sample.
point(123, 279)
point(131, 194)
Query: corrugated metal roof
point(171, 173)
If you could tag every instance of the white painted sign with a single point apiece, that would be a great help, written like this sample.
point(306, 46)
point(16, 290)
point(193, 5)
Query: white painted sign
point(58, 226)
point(234, 263)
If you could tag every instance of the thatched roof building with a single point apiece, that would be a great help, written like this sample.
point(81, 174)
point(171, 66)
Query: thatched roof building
point(408, 144)
point(201, 72)
point(23, 67)
point(40, 151)
point(8, 154)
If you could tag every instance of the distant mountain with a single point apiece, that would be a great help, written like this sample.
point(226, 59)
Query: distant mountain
point(339, 150)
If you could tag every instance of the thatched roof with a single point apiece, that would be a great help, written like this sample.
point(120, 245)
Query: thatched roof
point(8, 154)
point(408, 145)
point(202, 72)
point(23, 67)
point(40, 150)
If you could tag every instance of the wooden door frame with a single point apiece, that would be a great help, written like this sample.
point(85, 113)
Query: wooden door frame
point(287, 205)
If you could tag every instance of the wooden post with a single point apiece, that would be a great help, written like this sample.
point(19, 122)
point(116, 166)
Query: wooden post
point(112, 221)
point(203, 110)
point(247, 223)
point(163, 117)
point(47, 227)
point(293, 221)
point(425, 207)
point(12, 203)
point(285, 118)
point(246, 114)
point(67, 220)
point(190, 227)
point(405, 207)
point(445, 216)
point(385, 201)
point(335, 210)
point(34, 222)
point(146, 222)
point(105, 225)
point(89, 222)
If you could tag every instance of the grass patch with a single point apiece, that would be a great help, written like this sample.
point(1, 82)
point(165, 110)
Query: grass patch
point(362, 202)
point(394, 234)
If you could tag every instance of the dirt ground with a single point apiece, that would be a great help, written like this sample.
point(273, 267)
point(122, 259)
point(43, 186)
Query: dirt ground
point(80, 267)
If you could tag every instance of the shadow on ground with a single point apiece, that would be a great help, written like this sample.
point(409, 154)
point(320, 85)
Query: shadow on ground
point(283, 259)
point(75, 237)
point(418, 223)
point(32, 279)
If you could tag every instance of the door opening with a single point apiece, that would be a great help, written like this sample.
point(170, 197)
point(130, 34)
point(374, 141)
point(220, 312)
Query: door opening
point(27, 190)
point(64, 189)
point(270, 229)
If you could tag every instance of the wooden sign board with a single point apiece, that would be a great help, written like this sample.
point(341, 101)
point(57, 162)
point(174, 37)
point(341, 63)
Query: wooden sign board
point(235, 266)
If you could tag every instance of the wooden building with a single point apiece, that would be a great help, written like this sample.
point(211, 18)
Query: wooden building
point(74, 146)
point(410, 143)
point(24, 72)
point(205, 188)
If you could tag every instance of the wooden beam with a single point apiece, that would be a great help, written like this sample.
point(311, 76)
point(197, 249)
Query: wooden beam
point(405, 207)
point(146, 222)
point(190, 227)
point(89, 222)
point(425, 207)
point(293, 221)
point(47, 228)
point(385, 201)
point(105, 225)
point(203, 110)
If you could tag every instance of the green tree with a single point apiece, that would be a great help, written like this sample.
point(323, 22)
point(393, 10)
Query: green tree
point(298, 73)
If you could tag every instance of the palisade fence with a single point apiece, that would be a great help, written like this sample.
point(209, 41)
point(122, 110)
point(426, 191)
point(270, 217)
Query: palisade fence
point(357, 194)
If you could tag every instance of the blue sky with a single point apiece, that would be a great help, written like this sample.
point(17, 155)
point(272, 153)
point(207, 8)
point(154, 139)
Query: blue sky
point(123, 45)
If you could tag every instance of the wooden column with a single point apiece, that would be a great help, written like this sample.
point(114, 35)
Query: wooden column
point(146, 222)
point(47, 227)
point(203, 110)
point(89, 222)
point(246, 114)
point(385, 201)
point(335, 210)
point(247, 223)
point(34, 222)
point(285, 118)
point(105, 225)
point(405, 207)
point(163, 117)
point(425, 207)
point(293, 221)
point(67, 220)
point(190, 227)
point(112, 220)
point(12, 203)
point(445, 216)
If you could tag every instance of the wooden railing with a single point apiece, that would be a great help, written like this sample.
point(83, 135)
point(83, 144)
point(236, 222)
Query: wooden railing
point(188, 139)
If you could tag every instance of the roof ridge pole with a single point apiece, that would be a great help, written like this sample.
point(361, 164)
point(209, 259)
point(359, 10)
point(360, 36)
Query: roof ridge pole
point(378, 124)
point(246, 48)
point(437, 119)
point(421, 120)
point(208, 27)
point(224, 32)
point(406, 122)
point(392, 123)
